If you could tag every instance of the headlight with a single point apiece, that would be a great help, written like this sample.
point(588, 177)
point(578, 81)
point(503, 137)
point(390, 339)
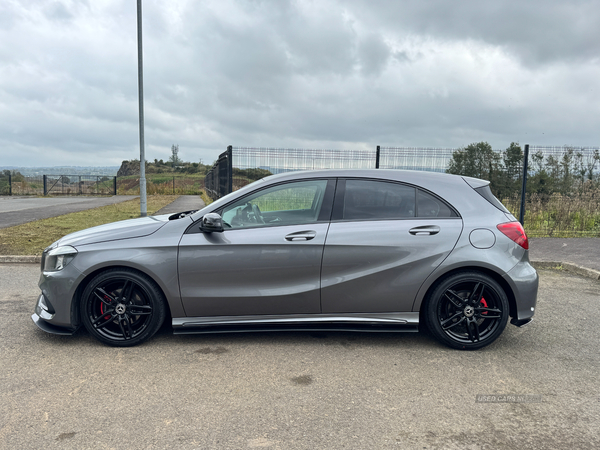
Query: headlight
point(58, 258)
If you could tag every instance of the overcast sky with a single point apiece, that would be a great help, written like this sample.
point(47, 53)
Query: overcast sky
point(332, 74)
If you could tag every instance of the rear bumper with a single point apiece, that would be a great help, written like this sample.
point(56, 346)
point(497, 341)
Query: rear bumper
point(524, 281)
point(521, 323)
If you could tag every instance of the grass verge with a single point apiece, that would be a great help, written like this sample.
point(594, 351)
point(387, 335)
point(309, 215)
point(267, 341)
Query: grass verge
point(33, 237)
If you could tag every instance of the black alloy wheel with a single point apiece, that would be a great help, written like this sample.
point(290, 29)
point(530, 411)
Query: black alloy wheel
point(122, 307)
point(467, 311)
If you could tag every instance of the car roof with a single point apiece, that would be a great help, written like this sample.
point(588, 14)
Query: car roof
point(417, 177)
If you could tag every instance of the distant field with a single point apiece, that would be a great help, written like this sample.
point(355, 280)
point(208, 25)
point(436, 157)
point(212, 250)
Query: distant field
point(31, 238)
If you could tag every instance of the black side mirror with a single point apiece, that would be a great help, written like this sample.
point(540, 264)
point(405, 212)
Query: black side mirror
point(211, 223)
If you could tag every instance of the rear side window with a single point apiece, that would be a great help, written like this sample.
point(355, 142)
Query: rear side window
point(430, 206)
point(381, 200)
point(367, 199)
point(486, 193)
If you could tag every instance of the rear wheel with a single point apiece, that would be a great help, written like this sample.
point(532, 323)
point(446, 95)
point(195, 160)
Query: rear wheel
point(467, 311)
point(122, 307)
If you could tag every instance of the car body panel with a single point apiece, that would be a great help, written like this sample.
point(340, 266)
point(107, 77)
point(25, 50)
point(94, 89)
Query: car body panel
point(124, 229)
point(272, 275)
point(383, 322)
point(378, 266)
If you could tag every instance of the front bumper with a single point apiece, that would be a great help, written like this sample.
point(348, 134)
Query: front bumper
point(43, 312)
point(49, 328)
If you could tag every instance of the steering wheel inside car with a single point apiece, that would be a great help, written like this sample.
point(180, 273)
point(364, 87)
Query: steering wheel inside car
point(257, 214)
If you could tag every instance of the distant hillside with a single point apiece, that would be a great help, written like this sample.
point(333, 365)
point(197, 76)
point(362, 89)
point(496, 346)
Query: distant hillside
point(63, 170)
point(132, 167)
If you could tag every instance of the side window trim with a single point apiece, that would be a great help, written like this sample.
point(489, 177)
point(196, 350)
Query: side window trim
point(324, 213)
point(338, 202)
point(340, 193)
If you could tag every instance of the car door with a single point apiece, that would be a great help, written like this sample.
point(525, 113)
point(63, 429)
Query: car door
point(267, 260)
point(385, 239)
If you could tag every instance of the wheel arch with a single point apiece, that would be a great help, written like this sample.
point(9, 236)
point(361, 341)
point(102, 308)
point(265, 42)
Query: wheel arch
point(76, 303)
point(421, 302)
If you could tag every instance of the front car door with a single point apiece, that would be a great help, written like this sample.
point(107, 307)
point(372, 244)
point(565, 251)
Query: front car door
point(268, 259)
point(385, 239)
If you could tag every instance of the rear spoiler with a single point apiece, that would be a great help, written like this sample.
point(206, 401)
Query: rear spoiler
point(475, 182)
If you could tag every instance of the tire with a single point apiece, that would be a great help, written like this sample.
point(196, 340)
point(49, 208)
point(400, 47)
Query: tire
point(122, 307)
point(467, 311)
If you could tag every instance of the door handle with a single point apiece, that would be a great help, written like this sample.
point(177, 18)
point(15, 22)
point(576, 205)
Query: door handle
point(301, 236)
point(425, 230)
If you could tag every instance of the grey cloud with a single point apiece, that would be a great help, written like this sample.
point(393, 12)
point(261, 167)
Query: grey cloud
point(373, 53)
point(538, 31)
point(57, 11)
point(294, 73)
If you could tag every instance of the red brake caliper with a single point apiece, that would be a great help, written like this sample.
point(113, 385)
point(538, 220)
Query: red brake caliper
point(484, 304)
point(108, 300)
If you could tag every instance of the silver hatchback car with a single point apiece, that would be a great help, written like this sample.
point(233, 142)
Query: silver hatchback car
point(360, 250)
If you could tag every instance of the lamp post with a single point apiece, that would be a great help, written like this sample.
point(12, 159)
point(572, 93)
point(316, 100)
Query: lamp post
point(143, 202)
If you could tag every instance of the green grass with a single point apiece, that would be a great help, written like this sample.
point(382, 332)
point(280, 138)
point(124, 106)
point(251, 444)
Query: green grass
point(560, 216)
point(31, 238)
point(162, 184)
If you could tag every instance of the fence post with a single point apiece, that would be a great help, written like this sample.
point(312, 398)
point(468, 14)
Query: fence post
point(9, 184)
point(115, 185)
point(377, 157)
point(45, 178)
point(80, 186)
point(524, 187)
point(229, 169)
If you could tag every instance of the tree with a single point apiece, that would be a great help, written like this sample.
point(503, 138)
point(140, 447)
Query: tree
point(174, 159)
point(476, 160)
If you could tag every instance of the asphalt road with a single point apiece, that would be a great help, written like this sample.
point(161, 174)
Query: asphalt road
point(19, 210)
point(303, 390)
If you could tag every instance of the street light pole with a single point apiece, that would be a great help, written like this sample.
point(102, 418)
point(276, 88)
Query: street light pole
point(143, 202)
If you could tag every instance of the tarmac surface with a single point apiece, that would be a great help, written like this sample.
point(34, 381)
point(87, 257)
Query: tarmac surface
point(183, 203)
point(535, 388)
point(17, 210)
point(580, 251)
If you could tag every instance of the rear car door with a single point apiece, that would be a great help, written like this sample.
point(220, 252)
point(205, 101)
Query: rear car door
point(268, 259)
point(384, 240)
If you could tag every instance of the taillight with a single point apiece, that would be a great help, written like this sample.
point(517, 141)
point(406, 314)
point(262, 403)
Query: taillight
point(515, 232)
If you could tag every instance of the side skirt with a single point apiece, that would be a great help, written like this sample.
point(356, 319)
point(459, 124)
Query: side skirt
point(382, 322)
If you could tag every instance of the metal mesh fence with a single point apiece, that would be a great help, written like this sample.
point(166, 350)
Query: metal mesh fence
point(18, 184)
point(558, 215)
point(79, 185)
point(415, 158)
point(162, 185)
point(249, 163)
point(563, 197)
point(278, 160)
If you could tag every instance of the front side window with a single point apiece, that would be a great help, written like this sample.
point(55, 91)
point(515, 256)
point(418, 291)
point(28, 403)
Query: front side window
point(286, 204)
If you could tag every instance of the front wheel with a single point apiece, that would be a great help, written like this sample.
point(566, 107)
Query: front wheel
point(122, 307)
point(467, 311)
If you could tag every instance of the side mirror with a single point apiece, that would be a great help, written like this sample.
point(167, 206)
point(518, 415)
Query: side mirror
point(211, 223)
